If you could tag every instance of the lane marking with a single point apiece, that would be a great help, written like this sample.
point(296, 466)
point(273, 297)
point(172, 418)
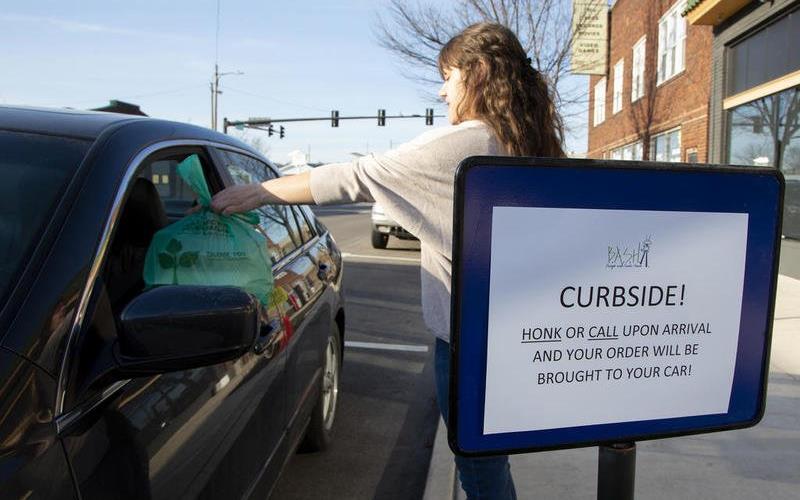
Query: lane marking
point(348, 255)
point(385, 347)
point(383, 304)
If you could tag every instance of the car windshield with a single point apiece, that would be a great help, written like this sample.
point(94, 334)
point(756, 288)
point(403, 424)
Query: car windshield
point(34, 170)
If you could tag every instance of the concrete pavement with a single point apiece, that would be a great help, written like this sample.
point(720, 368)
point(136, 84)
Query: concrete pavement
point(762, 462)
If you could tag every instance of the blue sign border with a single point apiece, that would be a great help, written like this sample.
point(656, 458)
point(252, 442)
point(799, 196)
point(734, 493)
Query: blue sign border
point(484, 182)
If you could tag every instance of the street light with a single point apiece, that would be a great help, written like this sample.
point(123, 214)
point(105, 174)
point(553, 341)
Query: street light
point(215, 92)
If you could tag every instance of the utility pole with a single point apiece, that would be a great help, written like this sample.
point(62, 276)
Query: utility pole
point(213, 111)
point(215, 92)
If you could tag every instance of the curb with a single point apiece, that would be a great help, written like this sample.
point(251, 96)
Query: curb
point(441, 482)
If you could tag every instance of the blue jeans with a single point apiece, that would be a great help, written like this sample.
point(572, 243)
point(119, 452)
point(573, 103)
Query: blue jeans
point(483, 478)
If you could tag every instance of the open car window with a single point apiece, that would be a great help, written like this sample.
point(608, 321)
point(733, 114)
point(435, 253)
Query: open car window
point(175, 194)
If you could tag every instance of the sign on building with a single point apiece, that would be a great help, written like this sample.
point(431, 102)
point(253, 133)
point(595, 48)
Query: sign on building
point(590, 37)
point(593, 305)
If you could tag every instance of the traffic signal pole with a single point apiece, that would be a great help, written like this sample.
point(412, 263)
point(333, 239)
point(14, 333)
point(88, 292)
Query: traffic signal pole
point(381, 117)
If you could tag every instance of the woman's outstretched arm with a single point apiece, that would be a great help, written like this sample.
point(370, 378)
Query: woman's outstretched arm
point(289, 190)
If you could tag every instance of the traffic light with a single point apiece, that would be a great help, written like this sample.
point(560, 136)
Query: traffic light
point(334, 118)
point(270, 131)
point(281, 132)
point(381, 117)
point(428, 116)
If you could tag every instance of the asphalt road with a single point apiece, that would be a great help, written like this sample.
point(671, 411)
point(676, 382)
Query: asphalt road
point(387, 414)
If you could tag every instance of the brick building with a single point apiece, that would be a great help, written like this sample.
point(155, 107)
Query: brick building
point(653, 101)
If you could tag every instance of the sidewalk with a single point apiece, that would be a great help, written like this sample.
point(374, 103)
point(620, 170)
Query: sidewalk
point(761, 462)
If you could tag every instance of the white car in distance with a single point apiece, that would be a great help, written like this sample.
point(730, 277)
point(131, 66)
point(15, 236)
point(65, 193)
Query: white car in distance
point(384, 226)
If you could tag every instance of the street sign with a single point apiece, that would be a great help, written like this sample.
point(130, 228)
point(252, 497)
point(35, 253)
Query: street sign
point(598, 302)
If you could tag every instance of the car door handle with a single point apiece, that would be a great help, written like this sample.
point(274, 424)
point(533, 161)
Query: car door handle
point(265, 335)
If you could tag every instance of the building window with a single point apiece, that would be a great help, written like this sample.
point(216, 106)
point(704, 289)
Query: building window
point(637, 70)
point(766, 132)
point(666, 146)
point(671, 42)
point(628, 152)
point(600, 102)
point(765, 55)
point(619, 68)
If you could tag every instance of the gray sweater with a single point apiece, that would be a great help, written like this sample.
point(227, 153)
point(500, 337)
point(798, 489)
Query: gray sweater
point(414, 184)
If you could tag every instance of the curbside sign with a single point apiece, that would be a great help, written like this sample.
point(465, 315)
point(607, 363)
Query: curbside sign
point(600, 301)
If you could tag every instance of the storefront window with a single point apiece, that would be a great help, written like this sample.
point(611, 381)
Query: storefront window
point(766, 132)
point(789, 132)
point(752, 128)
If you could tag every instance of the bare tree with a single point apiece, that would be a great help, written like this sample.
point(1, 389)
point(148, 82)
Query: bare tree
point(780, 116)
point(417, 32)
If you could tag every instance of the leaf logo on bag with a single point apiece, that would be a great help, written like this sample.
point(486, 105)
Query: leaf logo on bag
point(172, 260)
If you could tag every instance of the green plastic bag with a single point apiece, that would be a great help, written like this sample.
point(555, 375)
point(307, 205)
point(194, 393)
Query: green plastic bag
point(206, 248)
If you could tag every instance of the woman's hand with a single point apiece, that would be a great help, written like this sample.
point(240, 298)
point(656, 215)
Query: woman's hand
point(287, 190)
point(239, 199)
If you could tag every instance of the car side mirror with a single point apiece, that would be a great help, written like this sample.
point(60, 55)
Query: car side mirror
point(172, 328)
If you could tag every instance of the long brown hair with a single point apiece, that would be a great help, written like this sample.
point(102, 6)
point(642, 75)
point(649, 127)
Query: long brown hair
point(502, 89)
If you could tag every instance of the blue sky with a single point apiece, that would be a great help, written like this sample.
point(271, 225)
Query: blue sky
point(301, 58)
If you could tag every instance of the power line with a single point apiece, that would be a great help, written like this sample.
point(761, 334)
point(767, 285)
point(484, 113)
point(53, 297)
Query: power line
point(163, 92)
point(141, 96)
point(216, 41)
point(274, 99)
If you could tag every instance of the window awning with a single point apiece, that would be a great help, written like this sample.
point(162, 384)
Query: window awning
point(711, 12)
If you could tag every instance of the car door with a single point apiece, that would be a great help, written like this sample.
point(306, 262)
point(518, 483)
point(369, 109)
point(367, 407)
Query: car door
point(203, 433)
point(299, 282)
point(316, 321)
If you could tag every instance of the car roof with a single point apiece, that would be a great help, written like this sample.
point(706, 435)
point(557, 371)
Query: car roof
point(91, 124)
point(65, 122)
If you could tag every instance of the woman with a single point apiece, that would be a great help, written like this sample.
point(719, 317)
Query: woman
point(497, 105)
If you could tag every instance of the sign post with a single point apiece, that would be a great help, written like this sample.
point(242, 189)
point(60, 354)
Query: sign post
point(598, 303)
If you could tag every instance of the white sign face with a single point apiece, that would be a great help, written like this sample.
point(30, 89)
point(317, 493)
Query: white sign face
point(590, 41)
point(607, 316)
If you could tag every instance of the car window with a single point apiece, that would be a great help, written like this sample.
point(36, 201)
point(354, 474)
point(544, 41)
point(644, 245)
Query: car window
point(245, 169)
point(277, 221)
point(35, 170)
point(305, 229)
point(175, 194)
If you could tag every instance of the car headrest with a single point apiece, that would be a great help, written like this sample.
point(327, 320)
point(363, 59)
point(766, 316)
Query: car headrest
point(142, 216)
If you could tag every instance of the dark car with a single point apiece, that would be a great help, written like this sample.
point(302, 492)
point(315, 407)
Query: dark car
point(109, 389)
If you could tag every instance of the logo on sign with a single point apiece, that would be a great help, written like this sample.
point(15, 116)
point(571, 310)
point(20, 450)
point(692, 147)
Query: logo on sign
point(629, 256)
